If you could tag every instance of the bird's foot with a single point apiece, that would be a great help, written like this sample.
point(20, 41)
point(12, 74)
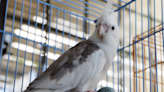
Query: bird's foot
point(91, 91)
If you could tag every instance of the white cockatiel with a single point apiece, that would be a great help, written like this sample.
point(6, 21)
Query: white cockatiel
point(81, 68)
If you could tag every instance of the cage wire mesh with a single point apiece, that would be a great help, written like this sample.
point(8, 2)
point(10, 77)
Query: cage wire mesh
point(34, 33)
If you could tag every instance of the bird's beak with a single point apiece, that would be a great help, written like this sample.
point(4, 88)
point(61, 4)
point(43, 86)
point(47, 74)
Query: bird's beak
point(102, 30)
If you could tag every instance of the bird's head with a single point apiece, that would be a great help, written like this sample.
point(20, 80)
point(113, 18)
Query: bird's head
point(107, 30)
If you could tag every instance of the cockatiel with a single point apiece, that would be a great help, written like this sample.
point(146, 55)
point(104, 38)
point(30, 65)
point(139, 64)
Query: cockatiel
point(81, 68)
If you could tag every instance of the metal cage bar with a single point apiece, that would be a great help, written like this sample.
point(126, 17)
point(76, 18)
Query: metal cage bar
point(142, 45)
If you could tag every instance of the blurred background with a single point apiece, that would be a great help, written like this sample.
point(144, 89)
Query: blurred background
point(37, 32)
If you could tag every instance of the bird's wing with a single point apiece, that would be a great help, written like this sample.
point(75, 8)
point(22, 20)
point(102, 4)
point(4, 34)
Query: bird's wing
point(71, 68)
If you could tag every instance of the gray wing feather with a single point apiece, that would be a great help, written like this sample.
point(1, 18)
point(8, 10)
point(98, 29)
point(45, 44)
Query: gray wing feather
point(65, 62)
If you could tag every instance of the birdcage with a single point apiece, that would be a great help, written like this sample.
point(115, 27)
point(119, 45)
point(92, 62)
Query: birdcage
point(148, 59)
point(34, 33)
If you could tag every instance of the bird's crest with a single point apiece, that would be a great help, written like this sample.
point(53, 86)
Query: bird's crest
point(107, 10)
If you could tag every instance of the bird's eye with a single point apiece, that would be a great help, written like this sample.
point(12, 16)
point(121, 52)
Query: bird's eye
point(113, 28)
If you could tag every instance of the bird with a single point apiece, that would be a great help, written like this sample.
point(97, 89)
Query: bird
point(80, 68)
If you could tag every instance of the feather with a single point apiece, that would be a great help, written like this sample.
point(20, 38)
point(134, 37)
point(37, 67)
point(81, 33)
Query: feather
point(64, 66)
point(107, 9)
